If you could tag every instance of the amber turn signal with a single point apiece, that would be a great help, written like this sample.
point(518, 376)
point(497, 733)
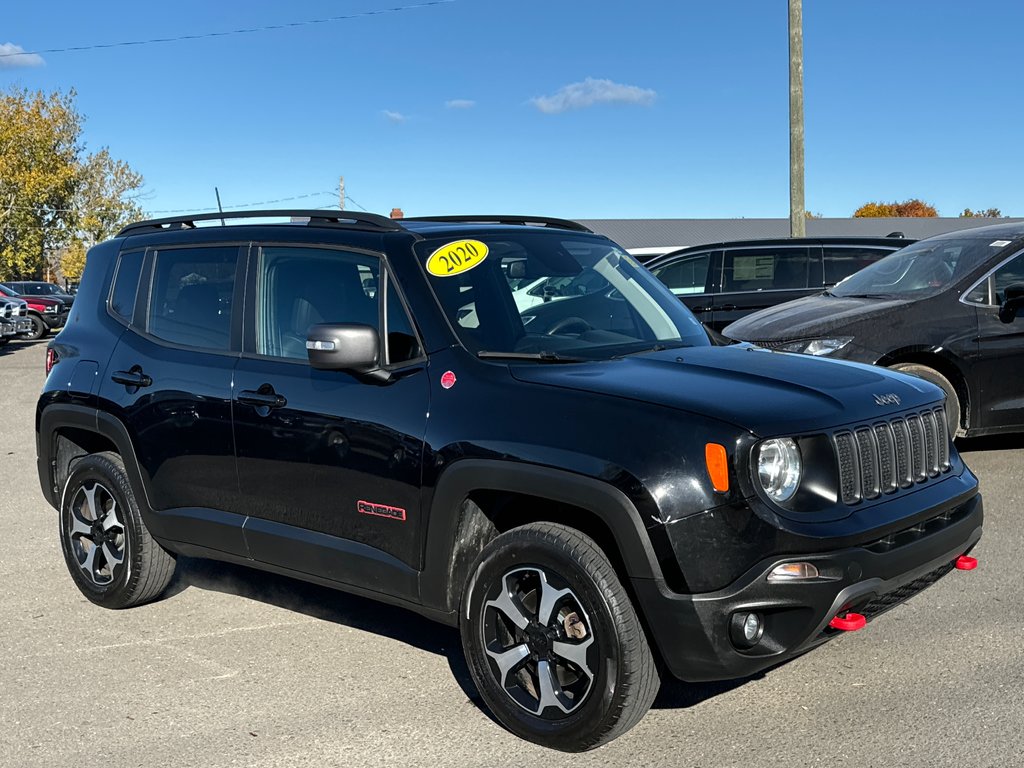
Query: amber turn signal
point(718, 466)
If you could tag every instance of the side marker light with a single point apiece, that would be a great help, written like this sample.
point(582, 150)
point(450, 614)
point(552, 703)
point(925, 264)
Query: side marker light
point(718, 466)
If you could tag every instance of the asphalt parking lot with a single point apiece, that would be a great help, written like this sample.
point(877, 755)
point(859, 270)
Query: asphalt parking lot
point(239, 668)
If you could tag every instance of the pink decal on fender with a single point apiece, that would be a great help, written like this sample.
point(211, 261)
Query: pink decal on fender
point(447, 379)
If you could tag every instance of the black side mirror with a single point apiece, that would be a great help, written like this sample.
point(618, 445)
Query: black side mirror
point(1013, 302)
point(343, 347)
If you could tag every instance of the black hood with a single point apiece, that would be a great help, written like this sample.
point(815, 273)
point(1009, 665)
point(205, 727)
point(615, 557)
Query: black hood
point(767, 393)
point(810, 317)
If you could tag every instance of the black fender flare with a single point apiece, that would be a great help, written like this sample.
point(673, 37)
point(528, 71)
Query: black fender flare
point(58, 415)
point(463, 477)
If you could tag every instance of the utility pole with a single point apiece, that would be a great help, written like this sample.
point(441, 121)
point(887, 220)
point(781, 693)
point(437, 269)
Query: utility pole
point(341, 193)
point(797, 218)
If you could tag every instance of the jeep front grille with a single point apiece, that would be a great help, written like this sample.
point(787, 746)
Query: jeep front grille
point(883, 457)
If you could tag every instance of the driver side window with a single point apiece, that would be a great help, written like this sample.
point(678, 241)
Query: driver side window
point(1011, 273)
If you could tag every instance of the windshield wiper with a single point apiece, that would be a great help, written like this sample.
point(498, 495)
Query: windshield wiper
point(547, 357)
point(660, 347)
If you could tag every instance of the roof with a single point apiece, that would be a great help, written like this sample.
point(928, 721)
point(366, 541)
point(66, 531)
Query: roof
point(652, 233)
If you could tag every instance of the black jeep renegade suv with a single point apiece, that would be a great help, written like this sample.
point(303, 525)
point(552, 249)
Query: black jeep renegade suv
point(358, 402)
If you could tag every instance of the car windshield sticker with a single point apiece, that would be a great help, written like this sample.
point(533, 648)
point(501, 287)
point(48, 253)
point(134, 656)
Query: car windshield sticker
point(457, 257)
point(999, 243)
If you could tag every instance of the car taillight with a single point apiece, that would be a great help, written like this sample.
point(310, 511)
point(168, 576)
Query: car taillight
point(51, 359)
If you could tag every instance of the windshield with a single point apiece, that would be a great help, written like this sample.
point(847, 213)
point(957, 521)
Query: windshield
point(555, 296)
point(920, 270)
point(6, 291)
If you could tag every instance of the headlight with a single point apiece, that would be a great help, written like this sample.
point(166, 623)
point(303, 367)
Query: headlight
point(816, 346)
point(52, 309)
point(779, 468)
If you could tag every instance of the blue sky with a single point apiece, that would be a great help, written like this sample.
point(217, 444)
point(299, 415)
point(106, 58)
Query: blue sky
point(685, 114)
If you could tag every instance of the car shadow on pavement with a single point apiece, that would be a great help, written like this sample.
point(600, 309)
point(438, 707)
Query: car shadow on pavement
point(328, 605)
point(389, 621)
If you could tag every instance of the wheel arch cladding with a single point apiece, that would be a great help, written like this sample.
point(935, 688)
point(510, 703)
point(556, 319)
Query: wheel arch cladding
point(475, 500)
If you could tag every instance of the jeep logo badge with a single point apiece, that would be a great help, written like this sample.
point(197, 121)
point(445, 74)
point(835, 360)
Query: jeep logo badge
point(888, 399)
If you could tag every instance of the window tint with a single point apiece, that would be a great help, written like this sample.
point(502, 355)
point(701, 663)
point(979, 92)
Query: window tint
point(191, 296)
point(126, 283)
point(1009, 274)
point(841, 262)
point(763, 269)
point(300, 287)
point(686, 276)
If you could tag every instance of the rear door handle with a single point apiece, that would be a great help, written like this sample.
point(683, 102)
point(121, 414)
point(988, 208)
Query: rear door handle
point(134, 377)
point(725, 308)
point(262, 399)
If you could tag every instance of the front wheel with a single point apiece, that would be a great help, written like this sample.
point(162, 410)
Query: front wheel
point(952, 400)
point(39, 329)
point(553, 642)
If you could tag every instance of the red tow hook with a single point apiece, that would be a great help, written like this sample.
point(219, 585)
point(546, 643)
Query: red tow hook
point(851, 622)
point(965, 563)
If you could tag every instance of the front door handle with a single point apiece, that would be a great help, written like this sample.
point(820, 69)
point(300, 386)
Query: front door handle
point(133, 377)
point(701, 309)
point(262, 399)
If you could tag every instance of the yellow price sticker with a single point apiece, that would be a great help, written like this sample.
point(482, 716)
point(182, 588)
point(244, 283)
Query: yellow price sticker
point(455, 258)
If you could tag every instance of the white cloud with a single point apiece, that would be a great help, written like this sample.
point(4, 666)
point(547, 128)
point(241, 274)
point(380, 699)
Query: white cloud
point(12, 55)
point(394, 117)
point(591, 92)
point(460, 103)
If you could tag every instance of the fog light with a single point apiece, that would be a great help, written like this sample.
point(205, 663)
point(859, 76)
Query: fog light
point(793, 572)
point(746, 629)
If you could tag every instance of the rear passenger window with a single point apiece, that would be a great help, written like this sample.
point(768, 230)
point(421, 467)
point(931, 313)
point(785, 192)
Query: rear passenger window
point(764, 269)
point(126, 284)
point(190, 302)
point(840, 263)
point(297, 288)
point(686, 276)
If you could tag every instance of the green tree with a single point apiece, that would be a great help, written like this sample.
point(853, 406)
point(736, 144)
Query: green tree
point(39, 149)
point(912, 207)
point(991, 213)
point(53, 197)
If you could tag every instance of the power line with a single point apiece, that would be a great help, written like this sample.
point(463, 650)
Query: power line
point(226, 33)
point(174, 210)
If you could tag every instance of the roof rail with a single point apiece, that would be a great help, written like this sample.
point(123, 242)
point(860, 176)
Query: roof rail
point(321, 217)
point(544, 221)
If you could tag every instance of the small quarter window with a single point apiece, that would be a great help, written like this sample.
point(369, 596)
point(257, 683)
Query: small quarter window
point(126, 284)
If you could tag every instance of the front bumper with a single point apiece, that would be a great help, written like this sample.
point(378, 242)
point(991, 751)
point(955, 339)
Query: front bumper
point(7, 329)
point(693, 631)
point(23, 327)
point(54, 319)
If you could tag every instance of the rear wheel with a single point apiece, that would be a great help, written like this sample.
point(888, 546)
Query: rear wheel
point(553, 642)
point(39, 328)
point(936, 378)
point(109, 552)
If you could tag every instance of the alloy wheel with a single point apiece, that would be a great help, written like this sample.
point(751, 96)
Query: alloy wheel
point(540, 643)
point(97, 533)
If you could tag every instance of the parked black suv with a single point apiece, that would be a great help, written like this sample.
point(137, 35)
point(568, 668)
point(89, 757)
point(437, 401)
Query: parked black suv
point(944, 309)
point(314, 400)
point(722, 282)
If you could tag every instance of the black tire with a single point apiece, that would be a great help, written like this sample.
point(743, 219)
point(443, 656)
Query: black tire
point(39, 329)
point(98, 497)
point(4, 340)
point(952, 400)
point(587, 705)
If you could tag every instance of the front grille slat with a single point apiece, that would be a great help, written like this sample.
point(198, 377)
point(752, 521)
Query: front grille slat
point(885, 457)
